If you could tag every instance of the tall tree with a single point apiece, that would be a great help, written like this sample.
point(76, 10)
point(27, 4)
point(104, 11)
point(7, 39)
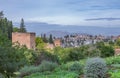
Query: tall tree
point(51, 39)
point(45, 39)
point(22, 26)
point(1, 14)
point(5, 26)
point(10, 29)
point(11, 58)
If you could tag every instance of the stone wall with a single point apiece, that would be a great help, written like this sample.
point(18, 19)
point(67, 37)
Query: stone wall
point(27, 39)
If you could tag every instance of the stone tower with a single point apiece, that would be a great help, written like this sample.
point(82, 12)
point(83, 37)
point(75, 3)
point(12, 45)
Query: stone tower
point(27, 39)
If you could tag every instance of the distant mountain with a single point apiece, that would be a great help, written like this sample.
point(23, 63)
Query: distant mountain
point(57, 33)
point(61, 30)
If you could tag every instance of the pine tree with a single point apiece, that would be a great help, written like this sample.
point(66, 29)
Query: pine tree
point(45, 39)
point(1, 14)
point(50, 39)
point(22, 26)
point(10, 29)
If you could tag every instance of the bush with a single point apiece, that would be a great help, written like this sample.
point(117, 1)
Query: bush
point(44, 55)
point(95, 68)
point(44, 66)
point(113, 60)
point(115, 74)
point(76, 67)
point(1, 76)
point(107, 51)
point(27, 70)
point(57, 74)
point(75, 55)
point(47, 66)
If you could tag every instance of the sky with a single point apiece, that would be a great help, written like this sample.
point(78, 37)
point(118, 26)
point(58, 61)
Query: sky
point(64, 12)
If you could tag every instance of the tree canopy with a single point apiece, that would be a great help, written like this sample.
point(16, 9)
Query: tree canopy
point(6, 26)
point(22, 26)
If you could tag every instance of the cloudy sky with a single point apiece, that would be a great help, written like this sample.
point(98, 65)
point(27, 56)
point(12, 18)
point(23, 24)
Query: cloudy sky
point(64, 12)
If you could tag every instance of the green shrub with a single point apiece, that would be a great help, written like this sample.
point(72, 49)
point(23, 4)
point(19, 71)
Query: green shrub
point(57, 74)
point(113, 60)
point(44, 55)
point(115, 74)
point(44, 66)
point(47, 66)
point(76, 67)
point(95, 68)
point(1, 76)
point(75, 55)
point(27, 70)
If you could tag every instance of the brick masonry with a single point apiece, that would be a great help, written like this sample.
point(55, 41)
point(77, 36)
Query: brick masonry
point(27, 39)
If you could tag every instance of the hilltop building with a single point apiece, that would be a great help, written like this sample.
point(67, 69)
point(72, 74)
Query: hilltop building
point(27, 39)
point(57, 42)
point(117, 51)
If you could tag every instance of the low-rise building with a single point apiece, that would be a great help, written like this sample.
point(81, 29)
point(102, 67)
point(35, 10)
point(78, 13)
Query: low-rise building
point(117, 51)
point(57, 42)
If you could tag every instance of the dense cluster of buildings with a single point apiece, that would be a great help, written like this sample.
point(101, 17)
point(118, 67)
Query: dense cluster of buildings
point(75, 40)
point(84, 39)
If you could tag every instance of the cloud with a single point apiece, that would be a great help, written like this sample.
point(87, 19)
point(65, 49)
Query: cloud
point(68, 12)
point(106, 19)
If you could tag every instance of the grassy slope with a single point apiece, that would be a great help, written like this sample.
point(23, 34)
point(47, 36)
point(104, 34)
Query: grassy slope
point(63, 72)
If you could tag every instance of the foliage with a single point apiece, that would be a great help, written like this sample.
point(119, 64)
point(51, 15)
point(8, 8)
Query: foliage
point(51, 39)
point(118, 42)
point(27, 70)
point(44, 55)
point(92, 51)
point(71, 54)
point(11, 58)
point(76, 67)
point(40, 45)
point(107, 51)
point(6, 27)
point(58, 74)
point(62, 71)
point(22, 26)
point(44, 38)
point(62, 53)
point(75, 55)
point(47, 66)
point(95, 68)
point(1, 76)
point(111, 43)
point(16, 29)
point(14, 57)
point(30, 55)
point(113, 60)
point(115, 75)
point(100, 44)
point(1, 14)
point(43, 67)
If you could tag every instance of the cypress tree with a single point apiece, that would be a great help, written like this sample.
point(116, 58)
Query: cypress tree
point(22, 26)
point(50, 39)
